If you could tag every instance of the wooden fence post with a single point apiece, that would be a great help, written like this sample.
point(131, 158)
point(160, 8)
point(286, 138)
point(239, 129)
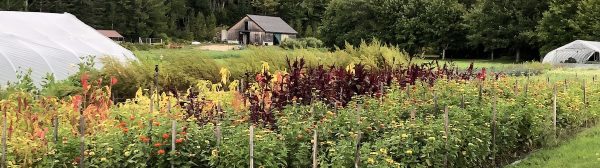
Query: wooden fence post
point(446, 125)
point(554, 111)
point(251, 145)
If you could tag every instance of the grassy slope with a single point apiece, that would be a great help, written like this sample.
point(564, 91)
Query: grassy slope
point(582, 151)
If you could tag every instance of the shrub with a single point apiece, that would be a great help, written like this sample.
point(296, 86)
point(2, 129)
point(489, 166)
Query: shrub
point(309, 42)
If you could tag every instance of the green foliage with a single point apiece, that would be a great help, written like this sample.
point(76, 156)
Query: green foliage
point(352, 21)
point(584, 23)
point(496, 24)
point(176, 72)
point(556, 28)
point(309, 42)
point(141, 47)
point(265, 7)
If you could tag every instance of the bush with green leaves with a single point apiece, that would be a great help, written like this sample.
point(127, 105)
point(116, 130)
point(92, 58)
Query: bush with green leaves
point(309, 42)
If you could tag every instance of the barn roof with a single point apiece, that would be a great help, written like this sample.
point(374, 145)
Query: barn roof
point(110, 33)
point(272, 24)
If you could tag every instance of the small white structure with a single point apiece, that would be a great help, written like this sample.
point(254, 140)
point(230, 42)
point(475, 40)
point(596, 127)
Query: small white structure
point(50, 43)
point(580, 51)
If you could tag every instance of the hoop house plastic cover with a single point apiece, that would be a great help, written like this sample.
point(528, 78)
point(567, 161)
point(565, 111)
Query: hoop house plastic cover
point(50, 43)
point(580, 50)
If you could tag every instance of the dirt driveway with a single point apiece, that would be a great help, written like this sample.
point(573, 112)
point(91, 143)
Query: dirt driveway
point(218, 47)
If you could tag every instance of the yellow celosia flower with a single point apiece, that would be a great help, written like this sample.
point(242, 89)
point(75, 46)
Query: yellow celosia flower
point(350, 68)
point(224, 75)
point(265, 67)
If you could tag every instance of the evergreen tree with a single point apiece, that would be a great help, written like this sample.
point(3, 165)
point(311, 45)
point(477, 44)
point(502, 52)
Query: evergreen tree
point(309, 31)
point(266, 7)
point(211, 25)
point(199, 27)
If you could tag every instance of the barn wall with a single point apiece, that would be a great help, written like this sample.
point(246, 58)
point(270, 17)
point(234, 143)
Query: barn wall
point(234, 31)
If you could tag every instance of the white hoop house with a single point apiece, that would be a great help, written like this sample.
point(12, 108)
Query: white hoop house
point(50, 43)
point(579, 51)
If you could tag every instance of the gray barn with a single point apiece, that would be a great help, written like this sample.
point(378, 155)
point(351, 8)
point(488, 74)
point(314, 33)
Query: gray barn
point(260, 30)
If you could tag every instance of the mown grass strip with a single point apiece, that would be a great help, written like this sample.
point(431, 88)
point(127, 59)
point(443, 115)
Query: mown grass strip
point(582, 151)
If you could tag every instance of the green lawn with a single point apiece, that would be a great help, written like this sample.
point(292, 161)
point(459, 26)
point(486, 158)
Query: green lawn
point(581, 152)
point(464, 63)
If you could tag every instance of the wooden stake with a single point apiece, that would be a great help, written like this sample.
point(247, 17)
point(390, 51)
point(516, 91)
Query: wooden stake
point(494, 127)
point(554, 110)
point(462, 101)
point(357, 152)
point(381, 89)
point(218, 134)
point(315, 164)
point(252, 146)
point(566, 85)
point(55, 123)
point(446, 125)
point(527, 86)
point(413, 115)
point(435, 101)
point(173, 132)
point(4, 132)
point(358, 137)
point(480, 91)
point(516, 88)
point(81, 136)
point(408, 91)
point(584, 94)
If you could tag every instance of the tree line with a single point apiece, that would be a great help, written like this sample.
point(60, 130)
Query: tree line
point(519, 29)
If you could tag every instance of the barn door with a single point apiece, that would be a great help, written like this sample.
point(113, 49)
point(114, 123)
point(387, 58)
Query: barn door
point(276, 39)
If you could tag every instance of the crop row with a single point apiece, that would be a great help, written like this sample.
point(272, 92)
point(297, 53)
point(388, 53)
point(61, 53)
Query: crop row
point(394, 125)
